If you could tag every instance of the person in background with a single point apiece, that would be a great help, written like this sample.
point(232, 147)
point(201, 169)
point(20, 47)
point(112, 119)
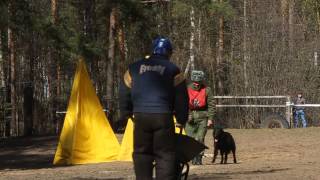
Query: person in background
point(153, 91)
point(299, 111)
point(201, 110)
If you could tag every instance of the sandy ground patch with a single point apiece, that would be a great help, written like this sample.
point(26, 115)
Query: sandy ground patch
point(262, 154)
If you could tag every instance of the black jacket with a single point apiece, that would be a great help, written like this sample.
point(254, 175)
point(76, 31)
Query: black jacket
point(154, 85)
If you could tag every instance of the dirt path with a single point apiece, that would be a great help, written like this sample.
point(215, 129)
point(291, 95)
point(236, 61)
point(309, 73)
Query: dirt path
point(262, 154)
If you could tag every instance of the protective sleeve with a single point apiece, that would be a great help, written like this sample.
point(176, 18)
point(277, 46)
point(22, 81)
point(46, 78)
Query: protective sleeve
point(181, 99)
point(125, 102)
point(211, 104)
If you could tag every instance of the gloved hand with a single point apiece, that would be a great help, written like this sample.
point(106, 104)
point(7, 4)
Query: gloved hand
point(210, 123)
point(190, 118)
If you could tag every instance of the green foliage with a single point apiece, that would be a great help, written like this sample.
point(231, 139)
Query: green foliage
point(223, 8)
point(311, 9)
point(312, 5)
point(3, 13)
point(181, 9)
point(20, 19)
point(131, 11)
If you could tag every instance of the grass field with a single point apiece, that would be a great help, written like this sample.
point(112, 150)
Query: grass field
point(262, 154)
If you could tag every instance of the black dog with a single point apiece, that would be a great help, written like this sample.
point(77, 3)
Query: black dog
point(224, 142)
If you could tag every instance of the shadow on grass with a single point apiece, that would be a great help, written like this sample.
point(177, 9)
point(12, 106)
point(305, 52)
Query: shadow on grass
point(27, 152)
point(230, 175)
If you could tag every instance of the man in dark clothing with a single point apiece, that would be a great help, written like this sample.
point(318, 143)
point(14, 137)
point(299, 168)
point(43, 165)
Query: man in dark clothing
point(153, 91)
point(299, 111)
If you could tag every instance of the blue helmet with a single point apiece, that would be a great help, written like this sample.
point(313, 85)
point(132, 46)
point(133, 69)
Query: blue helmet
point(161, 46)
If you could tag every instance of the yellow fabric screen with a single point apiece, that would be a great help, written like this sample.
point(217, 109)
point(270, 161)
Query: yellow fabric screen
point(86, 136)
point(126, 149)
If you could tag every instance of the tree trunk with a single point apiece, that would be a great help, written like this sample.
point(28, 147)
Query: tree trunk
point(245, 49)
point(122, 43)
point(220, 64)
point(28, 91)
point(54, 15)
point(192, 31)
point(220, 74)
point(28, 109)
point(2, 87)
point(54, 11)
point(318, 20)
point(191, 43)
point(123, 51)
point(111, 61)
point(89, 33)
point(291, 26)
point(12, 59)
point(285, 18)
point(53, 84)
point(2, 77)
point(199, 34)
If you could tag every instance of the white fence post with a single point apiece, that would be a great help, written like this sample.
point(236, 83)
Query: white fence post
point(316, 58)
point(289, 111)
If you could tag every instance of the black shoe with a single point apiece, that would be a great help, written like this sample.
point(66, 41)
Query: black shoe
point(200, 160)
point(194, 161)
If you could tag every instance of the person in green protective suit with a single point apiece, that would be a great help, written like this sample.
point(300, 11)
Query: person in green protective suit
point(201, 110)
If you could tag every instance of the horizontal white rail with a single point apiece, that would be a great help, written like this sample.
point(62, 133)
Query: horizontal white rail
point(306, 105)
point(249, 105)
point(264, 106)
point(241, 105)
point(249, 97)
point(61, 112)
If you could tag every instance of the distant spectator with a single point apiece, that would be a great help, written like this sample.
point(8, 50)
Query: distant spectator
point(299, 111)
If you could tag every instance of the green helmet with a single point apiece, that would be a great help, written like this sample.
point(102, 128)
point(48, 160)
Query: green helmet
point(197, 76)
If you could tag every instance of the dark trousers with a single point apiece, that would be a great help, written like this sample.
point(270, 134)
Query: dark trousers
point(154, 140)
